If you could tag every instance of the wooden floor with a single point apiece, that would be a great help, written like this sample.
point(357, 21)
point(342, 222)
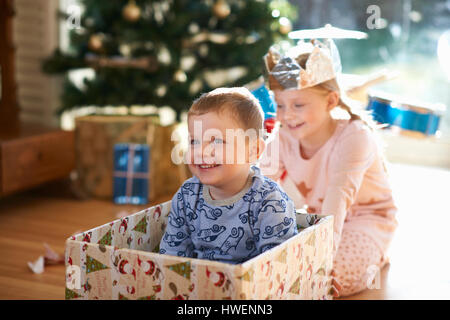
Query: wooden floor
point(420, 255)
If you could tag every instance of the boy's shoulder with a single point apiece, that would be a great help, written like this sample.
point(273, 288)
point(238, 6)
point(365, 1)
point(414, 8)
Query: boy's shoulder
point(190, 186)
point(266, 187)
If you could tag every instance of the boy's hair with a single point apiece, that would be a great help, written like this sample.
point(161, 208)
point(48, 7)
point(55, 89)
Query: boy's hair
point(238, 102)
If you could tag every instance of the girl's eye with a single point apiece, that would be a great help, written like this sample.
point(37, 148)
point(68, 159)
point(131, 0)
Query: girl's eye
point(297, 105)
point(280, 106)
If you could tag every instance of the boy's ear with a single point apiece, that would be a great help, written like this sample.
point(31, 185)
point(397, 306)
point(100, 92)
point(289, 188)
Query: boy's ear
point(257, 150)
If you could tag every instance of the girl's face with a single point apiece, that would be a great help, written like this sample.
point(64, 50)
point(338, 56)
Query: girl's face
point(305, 112)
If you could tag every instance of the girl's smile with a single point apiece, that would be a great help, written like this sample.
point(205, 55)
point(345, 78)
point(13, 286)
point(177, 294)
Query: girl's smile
point(295, 126)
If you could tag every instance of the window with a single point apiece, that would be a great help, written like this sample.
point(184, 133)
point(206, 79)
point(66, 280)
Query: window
point(404, 39)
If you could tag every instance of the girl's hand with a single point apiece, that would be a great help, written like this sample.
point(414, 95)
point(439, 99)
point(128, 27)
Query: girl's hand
point(335, 286)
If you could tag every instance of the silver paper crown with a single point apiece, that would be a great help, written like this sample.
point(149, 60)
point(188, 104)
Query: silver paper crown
point(284, 71)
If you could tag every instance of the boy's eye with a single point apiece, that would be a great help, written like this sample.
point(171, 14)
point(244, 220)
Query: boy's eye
point(218, 141)
point(194, 142)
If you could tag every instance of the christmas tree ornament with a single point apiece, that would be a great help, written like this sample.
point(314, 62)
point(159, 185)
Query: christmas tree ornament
point(187, 62)
point(131, 12)
point(221, 9)
point(164, 56)
point(203, 50)
point(180, 76)
point(193, 28)
point(95, 42)
point(285, 25)
point(161, 90)
point(125, 50)
point(195, 86)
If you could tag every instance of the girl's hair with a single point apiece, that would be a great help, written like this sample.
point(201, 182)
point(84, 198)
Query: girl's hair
point(354, 111)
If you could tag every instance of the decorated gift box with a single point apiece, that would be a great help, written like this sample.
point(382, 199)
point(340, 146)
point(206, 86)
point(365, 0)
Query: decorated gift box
point(131, 173)
point(95, 137)
point(265, 98)
point(119, 260)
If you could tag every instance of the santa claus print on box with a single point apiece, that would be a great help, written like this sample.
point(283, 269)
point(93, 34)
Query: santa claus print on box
point(118, 261)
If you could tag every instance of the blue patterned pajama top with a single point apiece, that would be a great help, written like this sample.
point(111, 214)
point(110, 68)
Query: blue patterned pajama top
point(233, 230)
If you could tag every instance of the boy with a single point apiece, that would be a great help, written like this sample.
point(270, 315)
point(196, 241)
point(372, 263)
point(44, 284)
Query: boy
point(227, 211)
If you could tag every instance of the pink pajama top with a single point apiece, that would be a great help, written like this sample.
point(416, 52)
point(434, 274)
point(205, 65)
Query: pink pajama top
point(346, 177)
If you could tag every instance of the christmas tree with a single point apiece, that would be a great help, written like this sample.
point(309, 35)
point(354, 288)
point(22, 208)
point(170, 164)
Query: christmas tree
point(166, 53)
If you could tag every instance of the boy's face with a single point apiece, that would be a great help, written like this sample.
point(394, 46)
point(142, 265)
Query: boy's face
point(219, 149)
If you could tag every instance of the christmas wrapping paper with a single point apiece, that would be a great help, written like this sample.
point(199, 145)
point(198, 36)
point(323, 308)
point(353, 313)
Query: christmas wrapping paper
point(118, 260)
point(131, 173)
point(95, 137)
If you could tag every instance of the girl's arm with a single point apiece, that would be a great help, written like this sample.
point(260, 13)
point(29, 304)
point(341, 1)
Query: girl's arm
point(354, 154)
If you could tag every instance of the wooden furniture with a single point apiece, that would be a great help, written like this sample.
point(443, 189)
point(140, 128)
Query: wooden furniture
point(33, 155)
point(9, 109)
point(30, 154)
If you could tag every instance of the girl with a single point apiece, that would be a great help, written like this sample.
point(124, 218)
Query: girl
point(335, 165)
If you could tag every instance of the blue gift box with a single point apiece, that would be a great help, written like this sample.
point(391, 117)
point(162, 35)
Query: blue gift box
point(266, 100)
point(131, 173)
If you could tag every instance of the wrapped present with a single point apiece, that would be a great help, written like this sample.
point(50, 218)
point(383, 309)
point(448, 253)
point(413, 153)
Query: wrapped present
point(131, 173)
point(266, 100)
point(119, 260)
point(268, 104)
point(95, 137)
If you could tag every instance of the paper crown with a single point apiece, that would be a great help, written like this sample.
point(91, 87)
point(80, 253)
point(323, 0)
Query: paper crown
point(285, 71)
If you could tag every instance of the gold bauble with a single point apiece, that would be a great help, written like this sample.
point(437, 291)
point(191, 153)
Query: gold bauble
point(221, 9)
point(180, 76)
point(95, 42)
point(285, 25)
point(131, 12)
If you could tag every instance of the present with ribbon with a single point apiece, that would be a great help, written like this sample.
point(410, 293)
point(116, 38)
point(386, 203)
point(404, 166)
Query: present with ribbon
point(131, 173)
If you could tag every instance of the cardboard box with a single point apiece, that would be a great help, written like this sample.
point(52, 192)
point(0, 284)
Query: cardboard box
point(118, 261)
point(95, 137)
